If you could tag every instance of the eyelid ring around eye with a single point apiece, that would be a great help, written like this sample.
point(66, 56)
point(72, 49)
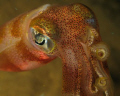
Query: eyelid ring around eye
point(41, 42)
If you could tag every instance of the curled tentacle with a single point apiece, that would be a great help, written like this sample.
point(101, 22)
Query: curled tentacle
point(100, 51)
point(101, 83)
point(92, 35)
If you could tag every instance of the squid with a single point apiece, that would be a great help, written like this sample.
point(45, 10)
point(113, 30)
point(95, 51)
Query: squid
point(70, 32)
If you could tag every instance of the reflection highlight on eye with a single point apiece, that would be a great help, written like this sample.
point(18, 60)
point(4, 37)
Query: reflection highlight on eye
point(41, 41)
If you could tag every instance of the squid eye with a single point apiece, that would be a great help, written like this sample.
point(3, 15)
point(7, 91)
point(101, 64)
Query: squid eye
point(41, 41)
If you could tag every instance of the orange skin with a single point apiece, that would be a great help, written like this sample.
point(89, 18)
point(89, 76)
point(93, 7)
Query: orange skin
point(74, 33)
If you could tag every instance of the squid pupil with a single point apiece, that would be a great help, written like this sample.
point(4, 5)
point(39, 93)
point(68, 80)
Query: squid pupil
point(40, 43)
point(39, 39)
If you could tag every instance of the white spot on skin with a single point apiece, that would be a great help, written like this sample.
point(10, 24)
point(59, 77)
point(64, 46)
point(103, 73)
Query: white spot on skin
point(71, 59)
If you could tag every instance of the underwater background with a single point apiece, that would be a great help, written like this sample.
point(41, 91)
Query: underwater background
point(47, 80)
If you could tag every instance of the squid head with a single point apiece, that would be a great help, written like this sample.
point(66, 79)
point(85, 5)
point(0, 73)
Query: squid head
point(17, 52)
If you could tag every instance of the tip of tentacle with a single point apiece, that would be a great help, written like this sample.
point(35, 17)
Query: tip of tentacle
point(101, 51)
